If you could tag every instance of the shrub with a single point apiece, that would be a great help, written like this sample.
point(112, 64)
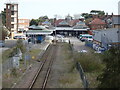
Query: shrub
point(21, 46)
point(89, 62)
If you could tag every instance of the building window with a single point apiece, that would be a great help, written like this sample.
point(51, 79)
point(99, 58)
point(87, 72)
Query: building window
point(8, 7)
point(12, 25)
point(12, 8)
point(12, 19)
point(12, 12)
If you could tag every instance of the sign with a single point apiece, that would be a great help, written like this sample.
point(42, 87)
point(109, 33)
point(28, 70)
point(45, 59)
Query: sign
point(27, 57)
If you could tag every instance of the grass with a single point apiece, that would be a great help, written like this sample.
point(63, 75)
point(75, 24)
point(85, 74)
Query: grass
point(35, 53)
point(69, 78)
point(90, 62)
point(92, 65)
point(92, 78)
point(10, 78)
point(7, 54)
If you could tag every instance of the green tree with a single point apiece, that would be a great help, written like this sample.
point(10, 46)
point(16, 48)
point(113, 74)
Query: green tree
point(110, 78)
point(39, 20)
point(3, 31)
point(3, 13)
point(85, 15)
point(101, 13)
point(21, 46)
point(98, 12)
point(43, 18)
point(34, 22)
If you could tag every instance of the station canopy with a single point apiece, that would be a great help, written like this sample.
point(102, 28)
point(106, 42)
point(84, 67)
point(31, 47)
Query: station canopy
point(38, 30)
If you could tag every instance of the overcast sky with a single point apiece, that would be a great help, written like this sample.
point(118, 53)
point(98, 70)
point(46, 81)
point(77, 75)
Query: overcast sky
point(36, 8)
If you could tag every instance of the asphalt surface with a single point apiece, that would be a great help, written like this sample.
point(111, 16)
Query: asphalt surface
point(78, 45)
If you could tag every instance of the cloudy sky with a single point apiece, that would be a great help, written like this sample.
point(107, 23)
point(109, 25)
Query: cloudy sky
point(36, 8)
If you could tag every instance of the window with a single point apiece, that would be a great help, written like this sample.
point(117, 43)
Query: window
point(8, 6)
point(12, 25)
point(12, 19)
point(12, 8)
point(12, 12)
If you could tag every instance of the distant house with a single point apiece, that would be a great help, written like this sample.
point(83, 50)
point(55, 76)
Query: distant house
point(58, 21)
point(97, 24)
point(80, 26)
point(23, 24)
point(106, 38)
point(116, 21)
point(68, 18)
point(63, 24)
point(73, 22)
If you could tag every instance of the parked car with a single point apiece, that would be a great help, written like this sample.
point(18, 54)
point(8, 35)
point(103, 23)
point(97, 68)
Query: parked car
point(2, 43)
point(98, 52)
point(83, 51)
point(7, 38)
point(20, 37)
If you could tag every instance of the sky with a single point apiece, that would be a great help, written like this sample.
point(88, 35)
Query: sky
point(35, 8)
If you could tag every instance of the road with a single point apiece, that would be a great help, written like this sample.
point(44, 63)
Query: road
point(8, 44)
point(78, 45)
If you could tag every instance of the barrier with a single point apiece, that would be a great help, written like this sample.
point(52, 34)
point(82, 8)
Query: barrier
point(83, 77)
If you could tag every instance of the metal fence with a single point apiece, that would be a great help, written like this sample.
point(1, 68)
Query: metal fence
point(82, 75)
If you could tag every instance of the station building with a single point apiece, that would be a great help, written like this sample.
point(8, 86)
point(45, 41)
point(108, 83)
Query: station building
point(38, 33)
point(65, 29)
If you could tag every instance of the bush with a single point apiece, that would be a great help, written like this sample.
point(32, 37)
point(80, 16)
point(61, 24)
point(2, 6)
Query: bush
point(21, 46)
point(14, 72)
point(89, 62)
point(110, 78)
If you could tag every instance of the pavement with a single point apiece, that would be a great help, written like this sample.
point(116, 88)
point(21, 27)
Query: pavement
point(42, 46)
point(8, 44)
point(78, 45)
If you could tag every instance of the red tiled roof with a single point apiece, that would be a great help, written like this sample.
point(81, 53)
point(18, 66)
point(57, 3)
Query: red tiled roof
point(58, 21)
point(97, 21)
point(73, 22)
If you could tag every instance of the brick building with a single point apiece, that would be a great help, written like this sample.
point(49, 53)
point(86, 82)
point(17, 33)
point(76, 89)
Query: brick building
point(12, 16)
point(116, 21)
point(23, 24)
point(97, 24)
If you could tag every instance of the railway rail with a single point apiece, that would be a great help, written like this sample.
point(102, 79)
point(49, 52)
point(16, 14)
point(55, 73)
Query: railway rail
point(42, 75)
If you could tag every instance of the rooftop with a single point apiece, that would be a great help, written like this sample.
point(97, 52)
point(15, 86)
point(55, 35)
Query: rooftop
point(97, 21)
point(116, 19)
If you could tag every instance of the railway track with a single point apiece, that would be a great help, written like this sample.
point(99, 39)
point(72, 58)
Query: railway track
point(42, 75)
